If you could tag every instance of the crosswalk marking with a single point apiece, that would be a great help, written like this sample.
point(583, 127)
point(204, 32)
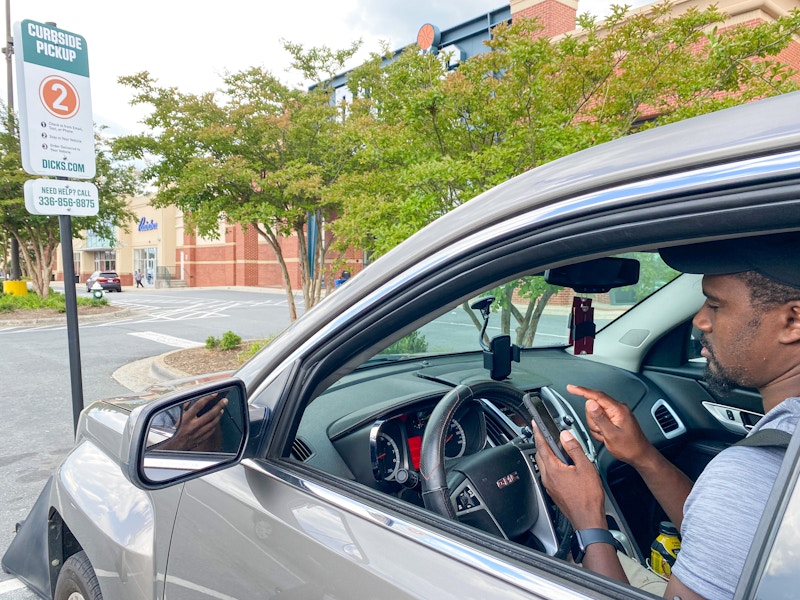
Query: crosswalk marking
point(168, 340)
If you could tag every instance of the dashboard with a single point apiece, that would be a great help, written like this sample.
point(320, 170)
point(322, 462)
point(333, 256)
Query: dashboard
point(396, 442)
point(368, 427)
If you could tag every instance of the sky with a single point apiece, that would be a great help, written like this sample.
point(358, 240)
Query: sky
point(190, 44)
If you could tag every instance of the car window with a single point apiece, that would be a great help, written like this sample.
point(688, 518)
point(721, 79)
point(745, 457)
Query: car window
point(535, 313)
point(369, 426)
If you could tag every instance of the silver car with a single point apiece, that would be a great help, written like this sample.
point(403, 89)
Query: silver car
point(379, 447)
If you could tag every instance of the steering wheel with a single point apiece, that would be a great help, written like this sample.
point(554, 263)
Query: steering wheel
point(496, 489)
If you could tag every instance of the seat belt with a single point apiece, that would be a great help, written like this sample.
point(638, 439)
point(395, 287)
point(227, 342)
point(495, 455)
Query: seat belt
point(767, 437)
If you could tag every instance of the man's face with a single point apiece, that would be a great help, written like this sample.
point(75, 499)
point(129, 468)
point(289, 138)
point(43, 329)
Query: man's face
point(734, 337)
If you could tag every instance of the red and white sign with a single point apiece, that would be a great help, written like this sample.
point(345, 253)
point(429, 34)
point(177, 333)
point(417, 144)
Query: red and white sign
point(59, 97)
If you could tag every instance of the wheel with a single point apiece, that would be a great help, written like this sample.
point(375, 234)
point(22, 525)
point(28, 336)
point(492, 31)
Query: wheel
point(496, 489)
point(77, 580)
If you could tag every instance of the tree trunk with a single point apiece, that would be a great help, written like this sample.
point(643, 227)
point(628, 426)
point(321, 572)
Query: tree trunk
point(273, 242)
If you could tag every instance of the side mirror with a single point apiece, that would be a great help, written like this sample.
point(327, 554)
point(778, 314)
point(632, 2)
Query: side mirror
point(188, 435)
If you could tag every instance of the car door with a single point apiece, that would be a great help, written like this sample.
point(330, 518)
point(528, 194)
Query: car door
point(260, 531)
point(272, 528)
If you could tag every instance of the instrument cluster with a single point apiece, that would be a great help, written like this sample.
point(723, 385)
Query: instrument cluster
point(396, 442)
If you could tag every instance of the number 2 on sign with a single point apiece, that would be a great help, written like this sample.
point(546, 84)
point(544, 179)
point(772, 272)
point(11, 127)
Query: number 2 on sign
point(59, 97)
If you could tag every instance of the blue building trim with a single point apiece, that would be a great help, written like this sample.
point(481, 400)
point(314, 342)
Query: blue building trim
point(468, 37)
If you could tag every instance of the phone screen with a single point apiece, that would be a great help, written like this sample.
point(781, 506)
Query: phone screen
point(544, 421)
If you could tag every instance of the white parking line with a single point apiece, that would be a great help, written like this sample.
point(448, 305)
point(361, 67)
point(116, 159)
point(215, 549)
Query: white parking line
point(11, 585)
point(168, 340)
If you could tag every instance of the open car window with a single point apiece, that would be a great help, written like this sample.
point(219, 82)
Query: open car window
point(535, 313)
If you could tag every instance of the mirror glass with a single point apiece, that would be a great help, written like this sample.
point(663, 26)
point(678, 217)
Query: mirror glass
point(194, 435)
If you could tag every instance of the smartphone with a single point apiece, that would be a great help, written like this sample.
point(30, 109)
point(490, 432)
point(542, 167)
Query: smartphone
point(544, 421)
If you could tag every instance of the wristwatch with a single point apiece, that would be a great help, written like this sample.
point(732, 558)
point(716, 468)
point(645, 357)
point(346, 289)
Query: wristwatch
point(583, 537)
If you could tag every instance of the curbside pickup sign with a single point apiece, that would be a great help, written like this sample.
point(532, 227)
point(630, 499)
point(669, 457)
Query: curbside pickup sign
point(56, 197)
point(55, 105)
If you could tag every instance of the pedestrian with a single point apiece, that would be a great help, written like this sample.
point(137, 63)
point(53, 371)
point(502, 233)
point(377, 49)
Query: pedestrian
point(138, 277)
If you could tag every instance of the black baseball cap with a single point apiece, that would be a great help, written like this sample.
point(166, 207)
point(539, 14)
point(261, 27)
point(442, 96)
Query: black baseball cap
point(776, 256)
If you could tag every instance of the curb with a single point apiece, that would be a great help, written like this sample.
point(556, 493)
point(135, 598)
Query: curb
point(141, 374)
point(122, 313)
point(160, 370)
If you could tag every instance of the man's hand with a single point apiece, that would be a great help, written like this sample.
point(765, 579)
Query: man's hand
point(197, 431)
point(613, 424)
point(576, 489)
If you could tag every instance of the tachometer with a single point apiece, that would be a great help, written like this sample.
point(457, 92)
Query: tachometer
point(456, 442)
point(387, 458)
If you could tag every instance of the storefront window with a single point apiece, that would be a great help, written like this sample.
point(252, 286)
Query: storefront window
point(105, 260)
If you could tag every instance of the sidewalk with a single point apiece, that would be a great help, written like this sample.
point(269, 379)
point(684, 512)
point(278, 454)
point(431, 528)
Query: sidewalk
point(140, 374)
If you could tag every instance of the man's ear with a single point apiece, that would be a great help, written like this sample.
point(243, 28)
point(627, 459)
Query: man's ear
point(790, 334)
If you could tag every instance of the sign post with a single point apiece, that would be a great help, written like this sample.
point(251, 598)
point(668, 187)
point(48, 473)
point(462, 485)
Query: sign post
point(57, 139)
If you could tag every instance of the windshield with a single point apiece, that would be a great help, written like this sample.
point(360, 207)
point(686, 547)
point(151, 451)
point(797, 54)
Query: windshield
point(535, 313)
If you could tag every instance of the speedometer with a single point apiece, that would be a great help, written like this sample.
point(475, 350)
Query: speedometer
point(387, 458)
point(456, 442)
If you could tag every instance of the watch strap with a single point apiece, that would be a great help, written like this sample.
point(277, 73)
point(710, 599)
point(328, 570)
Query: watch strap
point(585, 537)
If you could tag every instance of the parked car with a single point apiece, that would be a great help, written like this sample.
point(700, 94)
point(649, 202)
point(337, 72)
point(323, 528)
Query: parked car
point(311, 483)
point(108, 280)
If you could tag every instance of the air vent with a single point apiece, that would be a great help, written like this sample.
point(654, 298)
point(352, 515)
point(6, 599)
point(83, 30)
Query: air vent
point(671, 426)
point(495, 433)
point(301, 451)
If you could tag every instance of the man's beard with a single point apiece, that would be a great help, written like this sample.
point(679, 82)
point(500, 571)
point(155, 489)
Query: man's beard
point(721, 380)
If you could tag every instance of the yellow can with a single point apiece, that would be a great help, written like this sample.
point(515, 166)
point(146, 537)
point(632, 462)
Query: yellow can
point(664, 549)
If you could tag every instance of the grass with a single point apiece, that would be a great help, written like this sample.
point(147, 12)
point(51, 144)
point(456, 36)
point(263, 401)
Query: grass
point(56, 301)
point(252, 349)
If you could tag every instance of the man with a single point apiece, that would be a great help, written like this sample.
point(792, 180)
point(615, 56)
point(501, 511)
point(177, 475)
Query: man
point(750, 326)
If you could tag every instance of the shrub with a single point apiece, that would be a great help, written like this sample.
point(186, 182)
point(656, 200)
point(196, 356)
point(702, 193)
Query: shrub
point(31, 301)
point(212, 343)
point(252, 349)
point(413, 343)
point(229, 341)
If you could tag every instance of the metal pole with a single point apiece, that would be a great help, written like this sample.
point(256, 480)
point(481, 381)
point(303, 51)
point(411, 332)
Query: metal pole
point(73, 341)
point(15, 273)
point(9, 50)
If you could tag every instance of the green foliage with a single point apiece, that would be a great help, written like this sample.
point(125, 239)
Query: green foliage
point(228, 341)
point(432, 138)
point(33, 301)
point(253, 348)
point(257, 153)
point(413, 343)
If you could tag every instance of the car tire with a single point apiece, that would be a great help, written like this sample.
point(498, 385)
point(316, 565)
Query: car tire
point(77, 580)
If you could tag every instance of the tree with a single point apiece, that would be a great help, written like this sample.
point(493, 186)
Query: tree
point(433, 137)
point(38, 236)
point(257, 153)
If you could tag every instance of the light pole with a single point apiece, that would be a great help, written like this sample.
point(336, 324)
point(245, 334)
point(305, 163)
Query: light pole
point(15, 274)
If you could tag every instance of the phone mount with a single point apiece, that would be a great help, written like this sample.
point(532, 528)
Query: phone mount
point(499, 351)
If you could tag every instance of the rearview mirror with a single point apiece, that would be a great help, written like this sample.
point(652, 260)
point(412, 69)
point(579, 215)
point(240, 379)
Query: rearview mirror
point(595, 276)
